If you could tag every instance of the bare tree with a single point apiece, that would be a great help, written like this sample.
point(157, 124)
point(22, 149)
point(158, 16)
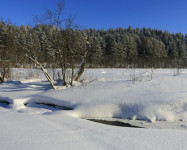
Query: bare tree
point(66, 44)
point(52, 17)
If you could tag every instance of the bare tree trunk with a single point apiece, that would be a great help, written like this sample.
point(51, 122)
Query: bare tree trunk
point(81, 69)
point(4, 71)
point(72, 75)
point(44, 71)
point(3, 75)
point(1, 79)
point(64, 75)
point(48, 77)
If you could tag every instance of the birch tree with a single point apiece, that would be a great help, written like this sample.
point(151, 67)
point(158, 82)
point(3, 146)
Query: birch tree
point(67, 44)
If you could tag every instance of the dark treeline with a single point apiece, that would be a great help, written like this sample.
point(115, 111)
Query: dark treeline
point(137, 48)
point(109, 48)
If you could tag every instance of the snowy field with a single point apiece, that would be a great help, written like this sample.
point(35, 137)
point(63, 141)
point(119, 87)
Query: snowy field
point(32, 116)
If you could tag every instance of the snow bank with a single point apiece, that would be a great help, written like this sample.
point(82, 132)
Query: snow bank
point(158, 96)
point(154, 111)
point(112, 94)
point(96, 110)
point(135, 111)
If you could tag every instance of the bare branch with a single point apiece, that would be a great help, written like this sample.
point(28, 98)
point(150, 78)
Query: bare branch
point(70, 21)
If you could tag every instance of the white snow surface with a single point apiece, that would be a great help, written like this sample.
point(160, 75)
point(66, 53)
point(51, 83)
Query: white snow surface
point(157, 101)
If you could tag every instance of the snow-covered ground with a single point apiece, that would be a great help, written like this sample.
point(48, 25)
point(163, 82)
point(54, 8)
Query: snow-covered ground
point(153, 99)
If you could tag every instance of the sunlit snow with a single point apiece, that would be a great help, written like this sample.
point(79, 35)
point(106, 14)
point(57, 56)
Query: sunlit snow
point(35, 117)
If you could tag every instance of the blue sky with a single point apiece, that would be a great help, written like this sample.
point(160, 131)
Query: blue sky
point(168, 15)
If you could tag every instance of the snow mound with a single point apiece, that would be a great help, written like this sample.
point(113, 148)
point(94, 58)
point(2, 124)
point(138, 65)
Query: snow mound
point(96, 110)
point(153, 112)
point(135, 111)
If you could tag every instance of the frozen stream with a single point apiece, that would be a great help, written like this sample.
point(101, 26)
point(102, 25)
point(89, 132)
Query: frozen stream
point(46, 109)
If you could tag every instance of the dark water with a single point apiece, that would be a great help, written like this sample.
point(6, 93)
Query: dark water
point(4, 104)
point(114, 123)
point(52, 105)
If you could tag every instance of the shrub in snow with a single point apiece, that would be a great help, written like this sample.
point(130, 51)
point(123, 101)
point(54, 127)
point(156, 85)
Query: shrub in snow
point(134, 76)
point(176, 71)
point(150, 74)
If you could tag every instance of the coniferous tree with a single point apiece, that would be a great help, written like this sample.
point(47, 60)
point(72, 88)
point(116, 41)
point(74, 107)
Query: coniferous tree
point(173, 53)
point(21, 48)
point(3, 51)
point(95, 53)
point(145, 50)
point(131, 50)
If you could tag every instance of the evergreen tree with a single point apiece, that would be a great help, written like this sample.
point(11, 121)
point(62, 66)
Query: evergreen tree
point(131, 50)
point(45, 48)
point(95, 53)
point(145, 50)
point(21, 51)
point(173, 52)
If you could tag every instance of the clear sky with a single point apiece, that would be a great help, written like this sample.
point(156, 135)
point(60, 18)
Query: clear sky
point(168, 15)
